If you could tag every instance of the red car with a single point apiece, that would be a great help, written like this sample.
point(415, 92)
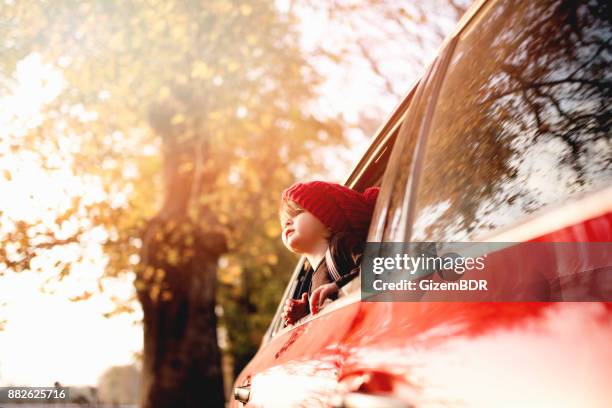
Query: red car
point(506, 138)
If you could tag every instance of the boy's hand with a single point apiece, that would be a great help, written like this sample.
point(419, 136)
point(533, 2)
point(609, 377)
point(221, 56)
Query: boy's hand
point(295, 309)
point(320, 294)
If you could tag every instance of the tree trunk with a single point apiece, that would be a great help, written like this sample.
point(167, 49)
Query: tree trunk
point(176, 283)
point(182, 363)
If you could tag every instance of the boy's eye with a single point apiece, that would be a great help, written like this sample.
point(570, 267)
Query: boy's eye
point(294, 213)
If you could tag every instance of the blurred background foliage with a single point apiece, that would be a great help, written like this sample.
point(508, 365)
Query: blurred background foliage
point(203, 111)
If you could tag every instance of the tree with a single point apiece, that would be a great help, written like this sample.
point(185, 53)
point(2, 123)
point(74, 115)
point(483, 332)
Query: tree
point(219, 89)
point(386, 43)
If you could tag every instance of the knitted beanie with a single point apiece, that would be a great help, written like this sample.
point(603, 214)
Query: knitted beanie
point(340, 208)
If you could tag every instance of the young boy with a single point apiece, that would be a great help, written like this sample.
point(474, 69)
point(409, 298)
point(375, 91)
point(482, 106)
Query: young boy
point(327, 223)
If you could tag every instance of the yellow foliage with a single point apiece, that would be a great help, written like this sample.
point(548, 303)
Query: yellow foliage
point(201, 70)
point(185, 167)
point(245, 9)
point(254, 251)
point(251, 39)
point(139, 285)
point(164, 92)
point(117, 41)
point(216, 115)
point(189, 240)
point(170, 225)
point(231, 274)
point(84, 296)
point(148, 273)
point(177, 119)
point(272, 228)
point(266, 120)
point(178, 31)
point(272, 259)
point(233, 66)
point(159, 26)
point(172, 256)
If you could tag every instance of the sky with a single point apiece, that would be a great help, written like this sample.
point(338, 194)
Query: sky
point(49, 338)
point(352, 89)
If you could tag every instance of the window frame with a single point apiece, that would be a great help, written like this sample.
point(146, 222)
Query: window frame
point(415, 126)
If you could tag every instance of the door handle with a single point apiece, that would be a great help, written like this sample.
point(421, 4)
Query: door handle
point(363, 400)
point(242, 394)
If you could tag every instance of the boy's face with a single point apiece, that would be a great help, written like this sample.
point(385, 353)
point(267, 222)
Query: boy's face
point(303, 233)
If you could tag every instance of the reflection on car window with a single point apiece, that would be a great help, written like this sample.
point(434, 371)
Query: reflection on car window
point(522, 120)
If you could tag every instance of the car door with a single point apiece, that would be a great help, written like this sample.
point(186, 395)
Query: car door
point(517, 150)
point(299, 365)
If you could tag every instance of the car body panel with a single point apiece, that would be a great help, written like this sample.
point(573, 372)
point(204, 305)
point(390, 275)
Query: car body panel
point(301, 364)
point(483, 354)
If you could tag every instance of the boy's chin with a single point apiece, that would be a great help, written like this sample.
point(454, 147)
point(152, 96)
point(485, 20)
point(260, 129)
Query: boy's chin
point(288, 246)
point(294, 248)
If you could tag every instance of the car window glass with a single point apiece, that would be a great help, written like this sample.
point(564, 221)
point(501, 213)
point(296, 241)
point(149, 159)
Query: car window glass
point(522, 120)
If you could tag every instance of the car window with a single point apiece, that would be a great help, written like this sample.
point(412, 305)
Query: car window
point(522, 120)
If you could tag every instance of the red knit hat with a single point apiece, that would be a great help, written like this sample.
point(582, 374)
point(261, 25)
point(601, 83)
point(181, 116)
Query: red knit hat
point(339, 208)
